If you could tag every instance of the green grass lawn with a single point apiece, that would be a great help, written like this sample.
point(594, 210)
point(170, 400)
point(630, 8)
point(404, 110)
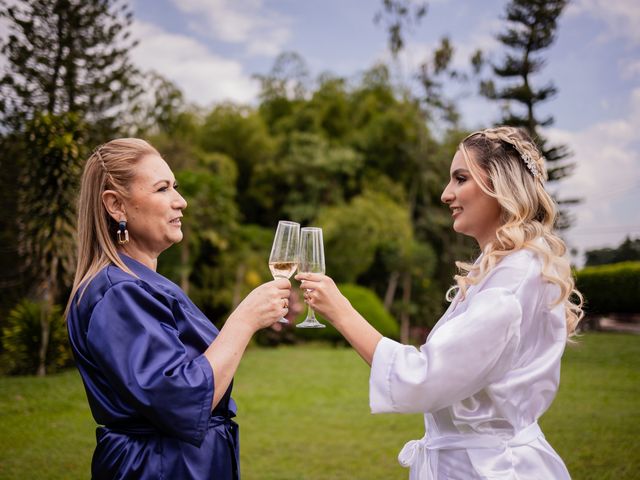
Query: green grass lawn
point(304, 415)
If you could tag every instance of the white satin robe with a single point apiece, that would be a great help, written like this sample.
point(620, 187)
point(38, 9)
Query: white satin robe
point(488, 370)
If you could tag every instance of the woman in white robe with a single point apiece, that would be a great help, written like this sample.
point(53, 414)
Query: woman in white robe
point(491, 366)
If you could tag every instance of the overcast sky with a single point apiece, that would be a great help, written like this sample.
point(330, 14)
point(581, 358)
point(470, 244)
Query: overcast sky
point(211, 48)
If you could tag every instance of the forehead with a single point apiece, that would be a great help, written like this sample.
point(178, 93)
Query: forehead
point(458, 161)
point(152, 168)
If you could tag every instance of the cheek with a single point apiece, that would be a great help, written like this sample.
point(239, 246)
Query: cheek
point(492, 210)
point(135, 214)
point(143, 212)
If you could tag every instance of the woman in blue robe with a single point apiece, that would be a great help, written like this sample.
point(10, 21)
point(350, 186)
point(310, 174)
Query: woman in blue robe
point(157, 373)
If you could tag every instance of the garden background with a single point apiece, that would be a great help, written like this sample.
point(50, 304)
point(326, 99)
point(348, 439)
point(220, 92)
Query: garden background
point(365, 156)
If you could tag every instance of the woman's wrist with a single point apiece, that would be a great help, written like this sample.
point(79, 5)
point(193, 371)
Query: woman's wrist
point(343, 315)
point(240, 325)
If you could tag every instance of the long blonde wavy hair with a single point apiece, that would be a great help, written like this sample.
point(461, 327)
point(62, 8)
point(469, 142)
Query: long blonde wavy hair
point(508, 166)
point(111, 166)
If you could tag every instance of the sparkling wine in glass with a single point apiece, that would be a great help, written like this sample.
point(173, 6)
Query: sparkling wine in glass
point(311, 261)
point(283, 260)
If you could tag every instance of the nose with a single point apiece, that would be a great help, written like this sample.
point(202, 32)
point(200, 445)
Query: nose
point(447, 194)
point(180, 203)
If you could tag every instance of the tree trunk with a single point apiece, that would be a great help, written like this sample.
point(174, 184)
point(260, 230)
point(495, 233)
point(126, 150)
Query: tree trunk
point(404, 316)
point(45, 328)
point(391, 289)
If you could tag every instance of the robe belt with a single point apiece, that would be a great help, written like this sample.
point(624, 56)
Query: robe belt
point(422, 455)
point(142, 428)
point(221, 421)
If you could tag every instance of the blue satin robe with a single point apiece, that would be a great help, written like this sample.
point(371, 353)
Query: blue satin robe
point(138, 344)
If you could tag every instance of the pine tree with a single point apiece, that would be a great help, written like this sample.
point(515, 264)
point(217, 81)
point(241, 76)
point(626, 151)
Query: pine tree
point(531, 29)
point(46, 217)
point(66, 85)
point(67, 56)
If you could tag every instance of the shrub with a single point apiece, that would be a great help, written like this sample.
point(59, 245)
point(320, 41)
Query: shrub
point(613, 288)
point(21, 339)
point(364, 301)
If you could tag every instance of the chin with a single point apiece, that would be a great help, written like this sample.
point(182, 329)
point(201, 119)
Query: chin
point(459, 229)
point(462, 230)
point(175, 237)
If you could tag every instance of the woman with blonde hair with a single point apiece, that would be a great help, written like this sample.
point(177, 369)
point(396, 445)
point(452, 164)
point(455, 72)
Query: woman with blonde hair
point(157, 373)
point(491, 366)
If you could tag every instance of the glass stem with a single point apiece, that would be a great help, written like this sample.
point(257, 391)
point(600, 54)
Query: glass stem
point(311, 315)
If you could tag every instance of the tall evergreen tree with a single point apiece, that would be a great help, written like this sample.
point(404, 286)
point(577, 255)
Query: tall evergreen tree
point(67, 56)
point(46, 217)
point(531, 29)
point(66, 85)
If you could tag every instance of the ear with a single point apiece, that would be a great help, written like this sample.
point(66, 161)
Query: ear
point(114, 204)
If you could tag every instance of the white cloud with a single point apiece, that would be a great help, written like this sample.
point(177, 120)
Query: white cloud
point(248, 22)
point(621, 17)
point(607, 178)
point(203, 76)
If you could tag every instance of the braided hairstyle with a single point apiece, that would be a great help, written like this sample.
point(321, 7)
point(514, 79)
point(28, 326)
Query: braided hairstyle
point(508, 166)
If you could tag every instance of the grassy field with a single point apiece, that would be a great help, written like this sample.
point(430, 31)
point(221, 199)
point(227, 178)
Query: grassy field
point(304, 415)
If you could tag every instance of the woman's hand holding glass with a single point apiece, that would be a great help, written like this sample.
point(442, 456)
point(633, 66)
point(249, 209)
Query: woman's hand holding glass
point(283, 259)
point(311, 260)
point(265, 305)
point(303, 249)
point(323, 296)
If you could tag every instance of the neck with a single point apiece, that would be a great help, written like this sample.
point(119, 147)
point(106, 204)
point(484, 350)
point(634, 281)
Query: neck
point(488, 236)
point(148, 259)
point(483, 242)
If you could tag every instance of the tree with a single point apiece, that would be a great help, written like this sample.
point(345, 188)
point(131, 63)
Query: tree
point(531, 29)
point(13, 284)
point(66, 84)
point(242, 134)
point(45, 210)
point(629, 250)
point(370, 222)
point(67, 56)
point(282, 88)
point(399, 16)
point(161, 110)
point(308, 173)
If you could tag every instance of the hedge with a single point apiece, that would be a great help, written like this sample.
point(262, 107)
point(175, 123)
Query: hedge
point(613, 288)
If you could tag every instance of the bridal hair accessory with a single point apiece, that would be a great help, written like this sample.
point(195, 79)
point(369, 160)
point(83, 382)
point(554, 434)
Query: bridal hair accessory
point(531, 165)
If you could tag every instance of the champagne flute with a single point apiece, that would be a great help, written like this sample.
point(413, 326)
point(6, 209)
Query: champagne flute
point(283, 260)
point(311, 261)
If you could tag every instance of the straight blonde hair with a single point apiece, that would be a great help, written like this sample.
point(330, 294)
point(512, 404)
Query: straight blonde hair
point(111, 166)
point(515, 173)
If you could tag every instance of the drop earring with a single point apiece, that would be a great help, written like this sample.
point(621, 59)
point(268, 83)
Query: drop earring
point(123, 233)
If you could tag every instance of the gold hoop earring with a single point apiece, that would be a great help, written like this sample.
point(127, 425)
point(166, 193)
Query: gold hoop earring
point(123, 233)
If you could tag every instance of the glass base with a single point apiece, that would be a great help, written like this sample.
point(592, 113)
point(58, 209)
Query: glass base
point(283, 320)
point(310, 323)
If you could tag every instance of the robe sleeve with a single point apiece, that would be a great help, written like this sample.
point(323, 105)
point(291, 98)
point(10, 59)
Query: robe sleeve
point(133, 339)
point(463, 356)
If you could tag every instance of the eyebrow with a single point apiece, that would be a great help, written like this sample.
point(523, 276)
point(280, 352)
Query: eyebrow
point(163, 181)
point(458, 171)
